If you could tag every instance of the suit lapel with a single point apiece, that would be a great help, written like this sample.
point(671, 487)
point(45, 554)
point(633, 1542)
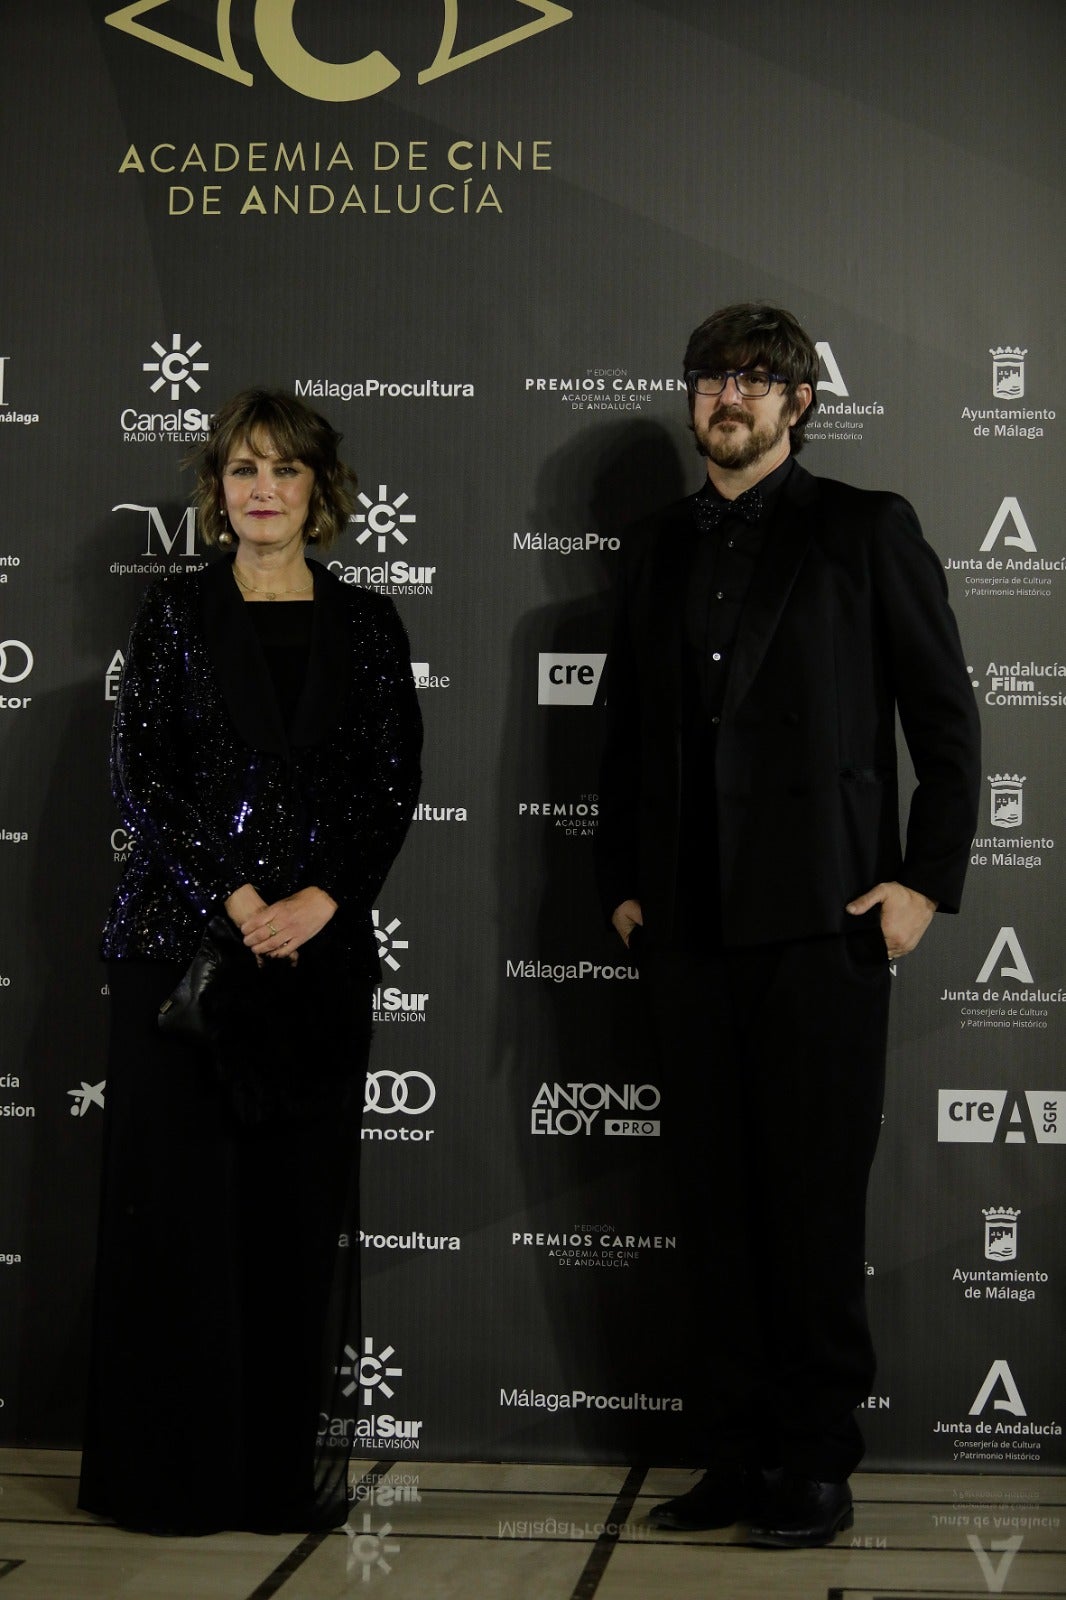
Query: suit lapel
point(666, 593)
point(787, 540)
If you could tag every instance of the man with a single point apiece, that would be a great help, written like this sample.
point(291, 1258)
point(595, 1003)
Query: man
point(769, 629)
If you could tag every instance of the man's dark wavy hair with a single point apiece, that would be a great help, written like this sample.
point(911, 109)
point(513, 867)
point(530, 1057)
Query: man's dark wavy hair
point(755, 335)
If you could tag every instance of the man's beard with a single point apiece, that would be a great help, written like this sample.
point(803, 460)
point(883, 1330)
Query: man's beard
point(747, 444)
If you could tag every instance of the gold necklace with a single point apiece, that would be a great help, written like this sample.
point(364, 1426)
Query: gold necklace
point(273, 594)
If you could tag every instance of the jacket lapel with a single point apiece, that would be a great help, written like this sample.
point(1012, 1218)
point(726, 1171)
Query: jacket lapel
point(787, 540)
point(675, 543)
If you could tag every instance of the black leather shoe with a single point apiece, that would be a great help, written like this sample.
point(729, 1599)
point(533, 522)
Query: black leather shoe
point(800, 1512)
point(723, 1496)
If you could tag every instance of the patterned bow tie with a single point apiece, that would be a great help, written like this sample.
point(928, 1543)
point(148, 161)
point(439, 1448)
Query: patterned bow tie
point(711, 509)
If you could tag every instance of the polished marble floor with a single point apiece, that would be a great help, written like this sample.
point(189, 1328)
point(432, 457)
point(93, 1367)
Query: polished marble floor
point(420, 1530)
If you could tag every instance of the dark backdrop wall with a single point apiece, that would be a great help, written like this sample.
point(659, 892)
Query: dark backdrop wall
point(476, 234)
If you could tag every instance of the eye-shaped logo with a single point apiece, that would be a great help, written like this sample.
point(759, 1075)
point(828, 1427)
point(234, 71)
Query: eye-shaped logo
point(10, 652)
point(388, 1092)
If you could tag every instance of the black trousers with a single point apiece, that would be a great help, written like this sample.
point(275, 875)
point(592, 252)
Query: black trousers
point(774, 1058)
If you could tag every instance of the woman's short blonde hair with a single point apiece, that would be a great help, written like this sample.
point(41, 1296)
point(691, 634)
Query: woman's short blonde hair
point(294, 432)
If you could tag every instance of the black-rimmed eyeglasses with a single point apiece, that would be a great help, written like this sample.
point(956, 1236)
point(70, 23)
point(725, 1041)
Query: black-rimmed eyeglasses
point(752, 385)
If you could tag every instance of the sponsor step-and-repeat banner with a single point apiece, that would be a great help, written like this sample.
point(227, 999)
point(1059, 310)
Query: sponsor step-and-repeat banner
point(476, 235)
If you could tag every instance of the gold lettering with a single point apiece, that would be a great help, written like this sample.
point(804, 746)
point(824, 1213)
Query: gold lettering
point(225, 62)
point(194, 159)
point(340, 158)
point(155, 164)
point(232, 148)
point(253, 201)
point(353, 201)
point(131, 161)
point(550, 16)
point(177, 189)
point(305, 73)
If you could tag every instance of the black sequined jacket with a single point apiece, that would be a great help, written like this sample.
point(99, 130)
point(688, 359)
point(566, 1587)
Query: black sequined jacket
point(217, 793)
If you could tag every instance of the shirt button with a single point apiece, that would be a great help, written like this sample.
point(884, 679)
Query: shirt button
point(716, 655)
point(720, 595)
point(716, 721)
point(729, 544)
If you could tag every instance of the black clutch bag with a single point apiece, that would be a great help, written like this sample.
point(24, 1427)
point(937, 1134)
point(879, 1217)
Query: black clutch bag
point(190, 1012)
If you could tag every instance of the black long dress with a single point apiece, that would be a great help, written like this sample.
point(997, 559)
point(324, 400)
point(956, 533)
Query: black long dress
point(222, 1302)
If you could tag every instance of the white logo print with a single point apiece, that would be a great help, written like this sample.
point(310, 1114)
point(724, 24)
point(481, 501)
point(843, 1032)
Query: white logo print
point(569, 680)
point(369, 1371)
point(833, 382)
point(175, 366)
point(1001, 1233)
point(11, 670)
point(388, 1092)
point(998, 1372)
point(90, 1094)
point(367, 1550)
point(387, 941)
point(1006, 799)
point(383, 518)
point(1008, 371)
point(1006, 943)
point(1021, 539)
point(113, 676)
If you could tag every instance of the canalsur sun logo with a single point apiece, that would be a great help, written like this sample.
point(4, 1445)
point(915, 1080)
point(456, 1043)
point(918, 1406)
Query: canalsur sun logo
point(388, 943)
point(382, 519)
point(368, 1548)
point(841, 418)
point(382, 523)
point(171, 371)
point(369, 1372)
point(175, 368)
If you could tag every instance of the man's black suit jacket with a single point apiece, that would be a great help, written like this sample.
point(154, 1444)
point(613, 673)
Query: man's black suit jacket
point(846, 622)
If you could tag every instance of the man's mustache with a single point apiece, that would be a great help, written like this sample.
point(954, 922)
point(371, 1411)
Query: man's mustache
point(730, 414)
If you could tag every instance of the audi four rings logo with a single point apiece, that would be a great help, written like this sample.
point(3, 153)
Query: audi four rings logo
point(7, 674)
point(388, 1092)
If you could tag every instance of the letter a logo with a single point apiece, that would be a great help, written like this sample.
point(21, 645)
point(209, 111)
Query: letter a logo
point(998, 1372)
point(1011, 511)
point(1006, 943)
point(833, 382)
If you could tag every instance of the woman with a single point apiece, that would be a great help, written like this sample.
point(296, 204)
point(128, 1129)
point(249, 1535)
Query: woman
point(265, 759)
